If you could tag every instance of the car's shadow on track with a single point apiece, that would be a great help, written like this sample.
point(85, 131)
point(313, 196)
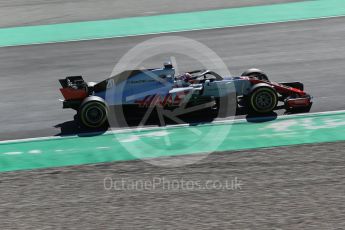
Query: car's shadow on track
point(69, 128)
point(72, 127)
point(261, 118)
point(256, 118)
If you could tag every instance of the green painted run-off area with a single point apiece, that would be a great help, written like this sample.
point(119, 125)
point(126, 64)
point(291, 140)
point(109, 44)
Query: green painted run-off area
point(172, 141)
point(170, 22)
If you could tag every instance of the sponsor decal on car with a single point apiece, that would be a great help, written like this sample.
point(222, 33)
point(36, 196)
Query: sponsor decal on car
point(167, 100)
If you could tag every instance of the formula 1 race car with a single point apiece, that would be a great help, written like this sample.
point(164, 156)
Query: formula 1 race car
point(160, 87)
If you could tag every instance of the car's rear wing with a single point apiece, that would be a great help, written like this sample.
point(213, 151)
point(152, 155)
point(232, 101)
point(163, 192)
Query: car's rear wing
point(74, 88)
point(73, 82)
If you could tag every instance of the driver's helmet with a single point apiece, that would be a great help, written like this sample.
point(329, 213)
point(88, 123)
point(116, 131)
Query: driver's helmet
point(186, 77)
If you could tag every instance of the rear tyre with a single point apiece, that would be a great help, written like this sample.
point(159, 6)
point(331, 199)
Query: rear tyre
point(93, 113)
point(263, 100)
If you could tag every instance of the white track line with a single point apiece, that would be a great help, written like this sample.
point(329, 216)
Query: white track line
point(229, 120)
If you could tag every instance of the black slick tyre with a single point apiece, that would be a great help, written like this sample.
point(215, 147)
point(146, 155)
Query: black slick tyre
point(263, 100)
point(93, 113)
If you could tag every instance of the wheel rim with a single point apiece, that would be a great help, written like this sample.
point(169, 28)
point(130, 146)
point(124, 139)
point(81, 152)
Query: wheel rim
point(94, 115)
point(264, 100)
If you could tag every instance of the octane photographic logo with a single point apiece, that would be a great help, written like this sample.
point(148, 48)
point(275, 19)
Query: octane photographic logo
point(148, 142)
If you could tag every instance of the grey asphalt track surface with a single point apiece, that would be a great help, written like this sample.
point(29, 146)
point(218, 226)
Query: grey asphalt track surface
point(38, 12)
point(309, 51)
point(299, 187)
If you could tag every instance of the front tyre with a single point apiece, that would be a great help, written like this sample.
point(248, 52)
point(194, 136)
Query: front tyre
point(263, 100)
point(93, 113)
point(259, 74)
